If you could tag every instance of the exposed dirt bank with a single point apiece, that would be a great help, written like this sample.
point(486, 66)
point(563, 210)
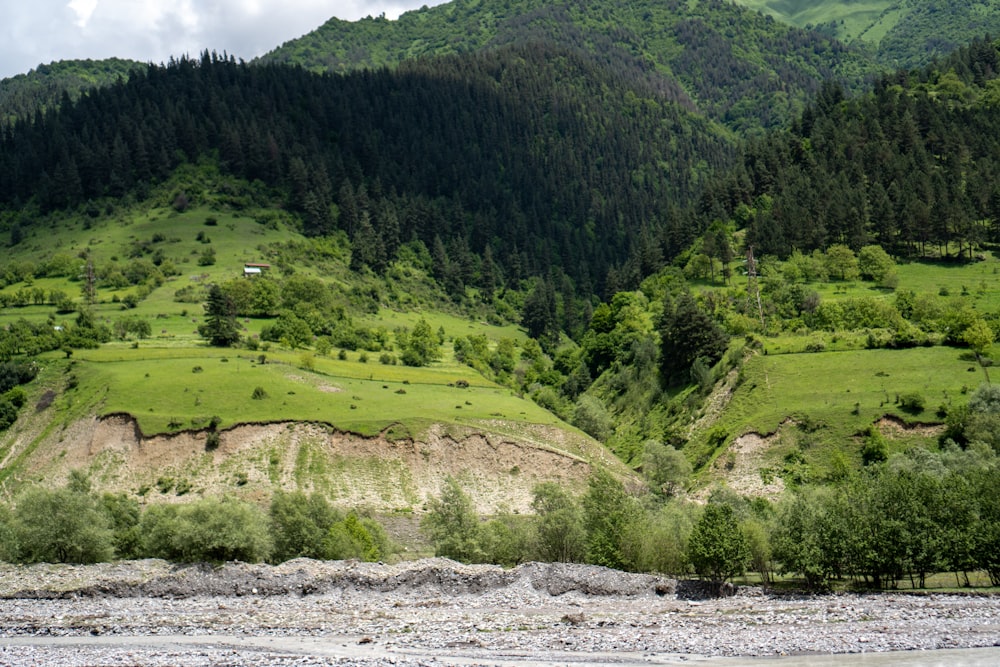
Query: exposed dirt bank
point(378, 473)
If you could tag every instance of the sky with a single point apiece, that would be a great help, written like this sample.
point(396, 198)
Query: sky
point(34, 32)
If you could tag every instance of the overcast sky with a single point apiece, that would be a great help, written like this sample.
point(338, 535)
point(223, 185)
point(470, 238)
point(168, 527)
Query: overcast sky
point(41, 31)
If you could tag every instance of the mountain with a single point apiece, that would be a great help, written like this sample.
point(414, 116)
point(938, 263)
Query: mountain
point(735, 65)
point(901, 33)
point(43, 87)
point(542, 153)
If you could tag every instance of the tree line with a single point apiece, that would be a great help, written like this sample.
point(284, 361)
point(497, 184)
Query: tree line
point(898, 521)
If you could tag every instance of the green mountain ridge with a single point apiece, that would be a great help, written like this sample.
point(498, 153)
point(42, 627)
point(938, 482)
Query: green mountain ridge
point(736, 66)
point(902, 33)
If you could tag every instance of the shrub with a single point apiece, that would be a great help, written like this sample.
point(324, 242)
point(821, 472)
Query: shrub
point(354, 537)
point(875, 448)
point(207, 530)
point(912, 402)
point(299, 525)
point(258, 394)
point(61, 526)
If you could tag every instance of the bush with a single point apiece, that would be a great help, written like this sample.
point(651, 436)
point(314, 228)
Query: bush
point(354, 537)
point(875, 448)
point(299, 525)
point(912, 402)
point(207, 530)
point(60, 526)
point(258, 394)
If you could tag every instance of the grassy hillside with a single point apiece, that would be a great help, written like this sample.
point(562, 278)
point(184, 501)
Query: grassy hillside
point(903, 33)
point(174, 385)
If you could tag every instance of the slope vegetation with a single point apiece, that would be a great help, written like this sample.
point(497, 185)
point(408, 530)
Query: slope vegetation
point(736, 66)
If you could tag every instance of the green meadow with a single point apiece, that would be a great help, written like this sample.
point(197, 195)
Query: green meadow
point(180, 388)
point(820, 404)
point(868, 20)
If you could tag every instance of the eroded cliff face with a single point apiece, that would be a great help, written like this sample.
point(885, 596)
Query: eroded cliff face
point(251, 461)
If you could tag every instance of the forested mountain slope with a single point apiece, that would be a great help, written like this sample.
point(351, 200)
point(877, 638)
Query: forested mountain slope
point(912, 166)
point(735, 65)
point(902, 33)
point(44, 87)
point(538, 152)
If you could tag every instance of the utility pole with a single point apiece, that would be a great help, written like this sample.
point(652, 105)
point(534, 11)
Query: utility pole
point(89, 287)
point(753, 287)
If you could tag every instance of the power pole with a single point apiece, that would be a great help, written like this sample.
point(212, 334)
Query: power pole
point(753, 287)
point(90, 282)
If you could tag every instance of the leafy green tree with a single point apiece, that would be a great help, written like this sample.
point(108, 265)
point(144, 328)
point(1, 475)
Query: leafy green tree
point(979, 336)
point(123, 514)
point(665, 468)
point(299, 525)
point(63, 525)
point(593, 418)
point(609, 513)
point(421, 346)
point(452, 524)
point(560, 533)
point(220, 327)
point(506, 539)
point(874, 263)
point(718, 548)
point(982, 418)
point(841, 262)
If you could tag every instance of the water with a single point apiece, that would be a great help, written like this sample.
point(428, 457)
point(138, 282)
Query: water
point(972, 657)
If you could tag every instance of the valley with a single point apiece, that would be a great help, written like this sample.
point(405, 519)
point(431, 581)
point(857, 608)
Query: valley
point(666, 287)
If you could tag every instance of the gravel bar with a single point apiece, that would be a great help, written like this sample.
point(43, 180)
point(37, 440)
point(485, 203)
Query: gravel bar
point(438, 612)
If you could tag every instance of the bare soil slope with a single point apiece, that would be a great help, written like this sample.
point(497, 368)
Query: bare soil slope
point(379, 473)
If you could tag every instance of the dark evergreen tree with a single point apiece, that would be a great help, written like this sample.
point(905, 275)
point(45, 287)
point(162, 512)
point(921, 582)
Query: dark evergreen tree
point(687, 333)
point(220, 327)
point(539, 316)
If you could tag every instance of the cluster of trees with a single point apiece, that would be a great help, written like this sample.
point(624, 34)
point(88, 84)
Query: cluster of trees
point(23, 339)
point(13, 374)
point(907, 518)
point(74, 524)
point(910, 166)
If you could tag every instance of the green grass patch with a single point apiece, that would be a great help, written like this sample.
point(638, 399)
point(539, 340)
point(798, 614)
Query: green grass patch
point(833, 397)
point(171, 388)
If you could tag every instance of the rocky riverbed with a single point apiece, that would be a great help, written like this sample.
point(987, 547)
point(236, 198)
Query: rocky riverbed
point(437, 612)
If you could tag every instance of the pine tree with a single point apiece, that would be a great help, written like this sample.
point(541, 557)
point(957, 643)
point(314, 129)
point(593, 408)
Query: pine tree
point(687, 333)
point(220, 327)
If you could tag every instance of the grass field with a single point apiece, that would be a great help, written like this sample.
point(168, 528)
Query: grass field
point(866, 19)
point(172, 388)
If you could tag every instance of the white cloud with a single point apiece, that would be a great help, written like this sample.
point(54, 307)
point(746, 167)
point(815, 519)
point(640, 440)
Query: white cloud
point(84, 9)
point(40, 31)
